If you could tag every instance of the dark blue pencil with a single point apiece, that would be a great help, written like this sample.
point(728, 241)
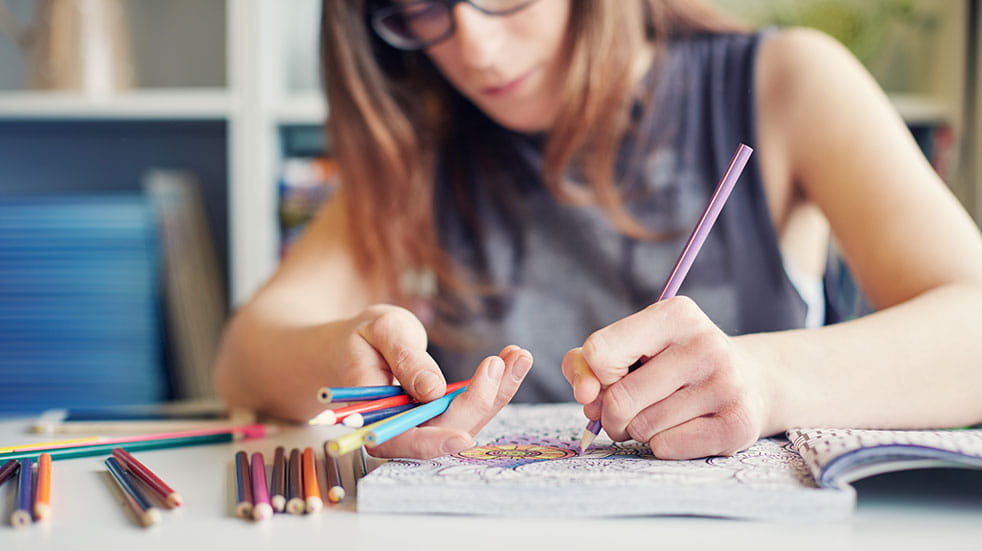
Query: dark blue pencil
point(145, 511)
point(330, 394)
point(358, 420)
point(22, 514)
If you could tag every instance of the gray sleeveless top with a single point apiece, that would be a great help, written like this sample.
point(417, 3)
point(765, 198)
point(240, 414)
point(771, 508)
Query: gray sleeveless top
point(564, 271)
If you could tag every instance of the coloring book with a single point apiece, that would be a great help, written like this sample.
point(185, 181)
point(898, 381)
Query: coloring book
point(527, 464)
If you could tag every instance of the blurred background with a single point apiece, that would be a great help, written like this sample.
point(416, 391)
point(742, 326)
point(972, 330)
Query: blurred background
point(157, 158)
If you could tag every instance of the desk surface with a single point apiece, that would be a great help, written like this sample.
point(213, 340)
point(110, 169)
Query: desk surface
point(925, 511)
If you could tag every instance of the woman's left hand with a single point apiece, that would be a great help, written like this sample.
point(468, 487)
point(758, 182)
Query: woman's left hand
point(696, 394)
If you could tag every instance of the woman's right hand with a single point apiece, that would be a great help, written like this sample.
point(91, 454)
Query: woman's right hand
point(387, 345)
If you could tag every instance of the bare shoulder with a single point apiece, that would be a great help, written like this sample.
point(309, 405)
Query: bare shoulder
point(818, 101)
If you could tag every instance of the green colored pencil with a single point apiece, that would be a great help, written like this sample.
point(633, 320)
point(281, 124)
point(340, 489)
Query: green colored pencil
point(106, 449)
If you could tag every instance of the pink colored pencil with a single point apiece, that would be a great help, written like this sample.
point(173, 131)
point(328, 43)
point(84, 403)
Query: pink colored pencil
point(261, 507)
point(152, 481)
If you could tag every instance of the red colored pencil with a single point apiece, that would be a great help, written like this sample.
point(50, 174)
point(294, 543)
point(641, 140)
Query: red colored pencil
point(145, 475)
point(334, 416)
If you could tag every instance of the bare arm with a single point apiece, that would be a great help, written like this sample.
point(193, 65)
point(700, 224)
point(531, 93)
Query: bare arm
point(914, 251)
point(317, 323)
point(273, 348)
point(827, 137)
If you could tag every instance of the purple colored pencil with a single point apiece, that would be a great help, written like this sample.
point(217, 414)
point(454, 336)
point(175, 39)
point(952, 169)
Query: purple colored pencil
point(696, 239)
point(22, 514)
point(243, 485)
point(262, 509)
point(8, 470)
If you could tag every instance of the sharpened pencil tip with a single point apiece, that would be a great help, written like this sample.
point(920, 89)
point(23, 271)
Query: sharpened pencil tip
point(262, 511)
point(150, 517)
point(175, 500)
point(586, 440)
point(326, 417)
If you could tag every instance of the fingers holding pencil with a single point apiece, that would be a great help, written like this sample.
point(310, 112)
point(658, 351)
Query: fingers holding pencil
point(494, 384)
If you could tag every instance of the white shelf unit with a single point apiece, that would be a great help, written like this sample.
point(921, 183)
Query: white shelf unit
point(258, 76)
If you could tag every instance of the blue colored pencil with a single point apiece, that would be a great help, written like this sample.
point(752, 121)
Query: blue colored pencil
point(358, 420)
point(144, 510)
point(406, 420)
point(22, 514)
point(330, 394)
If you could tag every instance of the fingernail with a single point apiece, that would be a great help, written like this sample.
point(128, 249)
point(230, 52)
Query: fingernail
point(427, 383)
point(495, 369)
point(521, 367)
point(457, 443)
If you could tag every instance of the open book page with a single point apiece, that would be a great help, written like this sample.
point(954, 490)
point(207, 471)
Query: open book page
point(836, 457)
point(527, 464)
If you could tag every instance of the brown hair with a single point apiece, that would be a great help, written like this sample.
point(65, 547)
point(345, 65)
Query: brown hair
point(391, 112)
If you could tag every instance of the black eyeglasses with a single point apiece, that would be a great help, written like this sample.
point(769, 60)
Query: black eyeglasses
point(424, 23)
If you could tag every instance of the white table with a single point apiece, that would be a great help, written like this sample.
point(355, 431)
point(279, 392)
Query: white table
point(89, 513)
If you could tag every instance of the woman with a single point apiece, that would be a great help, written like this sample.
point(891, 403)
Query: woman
point(525, 171)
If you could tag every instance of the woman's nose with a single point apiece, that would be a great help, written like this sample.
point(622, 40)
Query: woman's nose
point(478, 35)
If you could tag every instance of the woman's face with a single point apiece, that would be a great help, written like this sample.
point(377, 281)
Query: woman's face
point(509, 66)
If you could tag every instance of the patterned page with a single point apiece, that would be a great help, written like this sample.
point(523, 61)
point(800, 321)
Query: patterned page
point(838, 456)
point(528, 463)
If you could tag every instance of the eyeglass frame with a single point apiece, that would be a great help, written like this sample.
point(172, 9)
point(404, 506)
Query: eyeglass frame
point(398, 43)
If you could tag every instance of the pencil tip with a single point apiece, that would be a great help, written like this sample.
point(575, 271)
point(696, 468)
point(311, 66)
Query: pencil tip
point(586, 440)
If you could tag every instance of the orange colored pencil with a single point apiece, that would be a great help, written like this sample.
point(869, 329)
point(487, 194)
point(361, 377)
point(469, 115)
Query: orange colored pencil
point(311, 486)
point(334, 416)
point(42, 494)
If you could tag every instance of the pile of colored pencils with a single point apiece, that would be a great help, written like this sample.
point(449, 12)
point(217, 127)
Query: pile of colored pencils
point(33, 489)
point(133, 478)
point(383, 412)
point(293, 487)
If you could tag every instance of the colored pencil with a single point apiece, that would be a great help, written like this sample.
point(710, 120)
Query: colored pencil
point(359, 464)
point(387, 429)
point(243, 485)
point(22, 514)
point(691, 249)
point(330, 394)
point(334, 416)
point(358, 420)
point(335, 486)
point(261, 507)
point(42, 493)
point(278, 480)
point(46, 445)
point(311, 484)
point(8, 470)
point(146, 442)
point(144, 509)
point(141, 471)
point(294, 499)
